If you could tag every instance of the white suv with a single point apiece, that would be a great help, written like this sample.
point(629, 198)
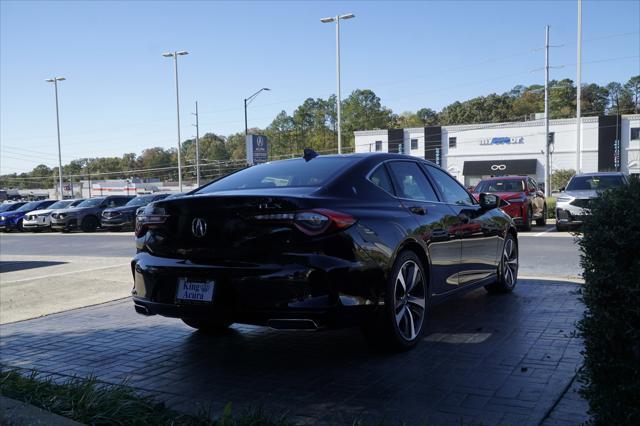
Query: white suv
point(38, 220)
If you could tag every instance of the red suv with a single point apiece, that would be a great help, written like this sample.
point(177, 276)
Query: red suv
point(526, 202)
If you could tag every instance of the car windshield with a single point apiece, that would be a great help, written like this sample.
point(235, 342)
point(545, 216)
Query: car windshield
point(506, 185)
point(140, 201)
point(8, 207)
point(591, 183)
point(29, 206)
point(91, 202)
point(286, 173)
point(60, 204)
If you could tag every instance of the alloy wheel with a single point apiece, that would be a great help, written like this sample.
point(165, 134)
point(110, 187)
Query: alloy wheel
point(410, 300)
point(510, 263)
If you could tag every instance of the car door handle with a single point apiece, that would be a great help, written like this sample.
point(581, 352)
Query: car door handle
point(418, 210)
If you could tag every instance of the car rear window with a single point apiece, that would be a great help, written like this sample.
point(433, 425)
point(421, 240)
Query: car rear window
point(286, 173)
point(506, 185)
point(590, 183)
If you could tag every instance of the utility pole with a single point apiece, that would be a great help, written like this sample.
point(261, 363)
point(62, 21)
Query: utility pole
point(197, 147)
point(55, 81)
point(579, 90)
point(547, 163)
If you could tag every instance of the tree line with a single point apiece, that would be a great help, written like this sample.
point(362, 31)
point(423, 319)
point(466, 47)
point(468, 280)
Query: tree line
point(313, 124)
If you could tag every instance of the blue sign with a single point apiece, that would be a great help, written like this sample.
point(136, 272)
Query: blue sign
point(503, 141)
point(257, 149)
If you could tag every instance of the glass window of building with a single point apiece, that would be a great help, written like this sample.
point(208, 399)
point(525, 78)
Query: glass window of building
point(414, 143)
point(378, 145)
point(453, 142)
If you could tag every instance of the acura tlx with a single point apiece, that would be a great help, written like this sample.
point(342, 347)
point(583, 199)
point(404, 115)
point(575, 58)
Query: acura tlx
point(368, 240)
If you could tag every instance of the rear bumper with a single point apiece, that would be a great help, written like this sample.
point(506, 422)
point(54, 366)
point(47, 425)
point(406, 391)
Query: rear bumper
point(329, 291)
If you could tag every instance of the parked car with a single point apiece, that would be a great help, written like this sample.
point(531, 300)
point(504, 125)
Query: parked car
point(362, 239)
point(39, 220)
point(12, 220)
point(525, 201)
point(573, 203)
point(124, 217)
point(86, 215)
point(10, 206)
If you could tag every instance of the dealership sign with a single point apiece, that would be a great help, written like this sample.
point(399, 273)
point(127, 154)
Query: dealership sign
point(257, 149)
point(502, 141)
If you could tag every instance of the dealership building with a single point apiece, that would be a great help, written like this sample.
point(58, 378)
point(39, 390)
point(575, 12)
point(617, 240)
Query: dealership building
point(475, 151)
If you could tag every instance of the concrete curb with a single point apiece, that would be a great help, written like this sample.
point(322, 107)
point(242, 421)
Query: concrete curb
point(16, 413)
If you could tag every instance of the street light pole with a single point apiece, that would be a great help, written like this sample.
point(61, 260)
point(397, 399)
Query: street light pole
point(175, 55)
point(579, 90)
point(55, 81)
point(337, 19)
point(197, 147)
point(247, 101)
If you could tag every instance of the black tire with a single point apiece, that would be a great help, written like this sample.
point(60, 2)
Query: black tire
point(561, 228)
point(507, 269)
point(543, 220)
point(208, 326)
point(89, 224)
point(401, 321)
point(19, 226)
point(527, 222)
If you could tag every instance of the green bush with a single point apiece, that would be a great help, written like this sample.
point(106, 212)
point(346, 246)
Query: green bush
point(551, 207)
point(610, 326)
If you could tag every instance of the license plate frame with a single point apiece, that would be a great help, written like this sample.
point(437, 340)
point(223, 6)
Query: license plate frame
point(195, 290)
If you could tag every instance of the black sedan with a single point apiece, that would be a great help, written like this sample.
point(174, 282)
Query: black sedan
point(371, 240)
point(124, 217)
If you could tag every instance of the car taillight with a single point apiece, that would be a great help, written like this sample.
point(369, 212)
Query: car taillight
point(150, 218)
point(311, 222)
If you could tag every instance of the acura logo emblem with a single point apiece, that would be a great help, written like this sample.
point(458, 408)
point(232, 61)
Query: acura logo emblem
point(498, 167)
point(199, 227)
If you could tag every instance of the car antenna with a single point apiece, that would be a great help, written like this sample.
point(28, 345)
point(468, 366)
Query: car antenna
point(309, 154)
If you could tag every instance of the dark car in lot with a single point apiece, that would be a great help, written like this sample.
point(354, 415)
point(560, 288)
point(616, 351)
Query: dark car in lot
point(118, 218)
point(370, 240)
point(12, 220)
point(8, 207)
point(574, 201)
point(86, 215)
point(525, 201)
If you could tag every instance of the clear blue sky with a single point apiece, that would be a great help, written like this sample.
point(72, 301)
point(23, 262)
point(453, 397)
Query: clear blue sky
point(119, 94)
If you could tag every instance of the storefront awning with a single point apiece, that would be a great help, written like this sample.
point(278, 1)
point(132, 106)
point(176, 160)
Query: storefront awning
point(500, 167)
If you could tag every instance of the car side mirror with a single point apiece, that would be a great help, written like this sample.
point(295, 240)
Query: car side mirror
point(489, 201)
point(562, 189)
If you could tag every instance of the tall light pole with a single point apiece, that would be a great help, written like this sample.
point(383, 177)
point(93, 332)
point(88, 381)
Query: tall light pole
point(197, 126)
point(337, 20)
point(579, 90)
point(175, 55)
point(55, 81)
point(247, 101)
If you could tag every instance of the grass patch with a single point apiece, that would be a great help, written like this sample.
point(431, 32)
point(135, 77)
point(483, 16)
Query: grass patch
point(551, 207)
point(91, 402)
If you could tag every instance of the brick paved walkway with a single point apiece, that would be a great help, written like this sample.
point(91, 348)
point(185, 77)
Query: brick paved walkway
point(484, 360)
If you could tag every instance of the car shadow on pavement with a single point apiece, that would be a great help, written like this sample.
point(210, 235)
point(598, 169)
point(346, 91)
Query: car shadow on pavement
point(483, 359)
point(11, 266)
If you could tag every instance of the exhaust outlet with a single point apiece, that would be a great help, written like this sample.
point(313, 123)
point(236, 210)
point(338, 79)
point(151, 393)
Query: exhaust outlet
point(142, 310)
point(292, 324)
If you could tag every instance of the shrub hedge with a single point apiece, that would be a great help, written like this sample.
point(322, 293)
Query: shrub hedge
point(610, 327)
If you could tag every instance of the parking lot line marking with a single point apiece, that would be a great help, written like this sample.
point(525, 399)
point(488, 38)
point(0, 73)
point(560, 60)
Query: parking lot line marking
point(544, 232)
point(61, 274)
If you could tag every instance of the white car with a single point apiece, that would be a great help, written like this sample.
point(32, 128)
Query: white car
point(38, 220)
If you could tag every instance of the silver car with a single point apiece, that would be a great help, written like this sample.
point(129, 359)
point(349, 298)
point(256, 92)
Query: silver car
point(573, 204)
point(38, 220)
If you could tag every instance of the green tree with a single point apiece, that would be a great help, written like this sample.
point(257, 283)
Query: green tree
point(633, 87)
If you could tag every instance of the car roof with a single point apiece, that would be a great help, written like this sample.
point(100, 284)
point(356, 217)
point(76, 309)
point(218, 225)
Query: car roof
point(506, 177)
point(601, 174)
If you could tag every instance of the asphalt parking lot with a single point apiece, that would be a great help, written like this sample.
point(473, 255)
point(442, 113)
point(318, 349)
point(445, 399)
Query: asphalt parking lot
point(509, 359)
